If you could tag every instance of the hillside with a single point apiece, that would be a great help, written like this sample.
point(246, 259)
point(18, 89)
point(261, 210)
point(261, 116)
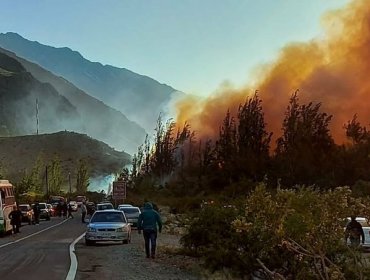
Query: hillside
point(19, 91)
point(99, 120)
point(139, 97)
point(18, 154)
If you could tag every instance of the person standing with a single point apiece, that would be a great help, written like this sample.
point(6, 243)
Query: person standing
point(83, 211)
point(70, 211)
point(36, 212)
point(149, 222)
point(15, 217)
point(354, 232)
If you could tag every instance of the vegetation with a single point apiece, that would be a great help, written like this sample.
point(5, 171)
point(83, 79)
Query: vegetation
point(292, 218)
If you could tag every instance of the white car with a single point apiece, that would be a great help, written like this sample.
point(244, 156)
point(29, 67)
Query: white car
point(104, 206)
point(74, 205)
point(132, 214)
point(108, 225)
point(124, 205)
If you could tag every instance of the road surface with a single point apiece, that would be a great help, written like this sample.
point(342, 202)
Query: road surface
point(39, 251)
point(42, 252)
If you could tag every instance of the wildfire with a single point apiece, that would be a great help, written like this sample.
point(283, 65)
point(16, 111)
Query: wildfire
point(332, 70)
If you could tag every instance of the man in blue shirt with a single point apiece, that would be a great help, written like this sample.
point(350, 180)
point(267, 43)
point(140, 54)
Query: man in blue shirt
point(148, 221)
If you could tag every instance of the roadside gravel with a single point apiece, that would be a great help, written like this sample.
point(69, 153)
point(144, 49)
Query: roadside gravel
point(128, 262)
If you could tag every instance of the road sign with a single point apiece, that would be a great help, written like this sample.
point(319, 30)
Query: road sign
point(119, 190)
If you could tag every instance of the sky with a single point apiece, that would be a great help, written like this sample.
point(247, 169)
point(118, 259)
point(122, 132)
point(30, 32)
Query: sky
point(192, 45)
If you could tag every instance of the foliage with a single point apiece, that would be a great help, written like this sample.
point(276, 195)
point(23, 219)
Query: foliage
point(297, 233)
point(82, 181)
point(32, 182)
point(55, 177)
point(304, 151)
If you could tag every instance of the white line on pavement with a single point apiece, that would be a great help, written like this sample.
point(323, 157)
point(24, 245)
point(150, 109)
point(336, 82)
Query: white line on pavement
point(33, 234)
point(73, 267)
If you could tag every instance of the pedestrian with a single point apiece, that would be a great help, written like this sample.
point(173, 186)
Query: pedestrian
point(83, 211)
point(36, 212)
point(149, 222)
point(70, 211)
point(15, 217)
point(65, 210)
point(354, 232)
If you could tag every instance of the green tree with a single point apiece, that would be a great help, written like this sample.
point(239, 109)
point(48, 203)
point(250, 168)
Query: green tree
point(82, 182)
point(55, 178)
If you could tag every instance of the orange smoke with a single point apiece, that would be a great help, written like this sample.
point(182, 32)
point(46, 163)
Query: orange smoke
point(334, 70)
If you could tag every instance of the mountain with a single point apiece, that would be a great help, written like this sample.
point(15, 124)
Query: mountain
point(19, 91)
point(139, 97)
point(94, 117)
point(18, 154)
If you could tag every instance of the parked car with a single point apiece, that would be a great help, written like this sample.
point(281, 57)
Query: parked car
point(132, 214)
point(366, 227)
point(108, 225)
point(124, 205)
point(104, 206)
point(51, 210)
point(27, 213)
point(44, 211)
point(74, 205)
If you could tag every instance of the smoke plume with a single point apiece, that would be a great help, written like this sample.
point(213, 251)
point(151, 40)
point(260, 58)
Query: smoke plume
point(332, 70)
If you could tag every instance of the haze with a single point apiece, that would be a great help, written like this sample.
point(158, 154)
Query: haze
point(193, 46)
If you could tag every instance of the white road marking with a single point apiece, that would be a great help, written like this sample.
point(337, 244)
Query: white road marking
point(74, 264)
point(33, 234)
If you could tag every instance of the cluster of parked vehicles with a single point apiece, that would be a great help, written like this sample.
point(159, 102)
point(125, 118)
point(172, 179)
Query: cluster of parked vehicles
point(109, 224)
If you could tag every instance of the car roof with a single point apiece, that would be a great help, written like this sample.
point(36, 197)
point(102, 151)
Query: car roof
point(108, 210)
point(129, 207)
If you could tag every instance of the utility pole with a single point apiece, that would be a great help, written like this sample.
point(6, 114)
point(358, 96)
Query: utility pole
point(70, 185)
point(47, 181)
point(37, 116)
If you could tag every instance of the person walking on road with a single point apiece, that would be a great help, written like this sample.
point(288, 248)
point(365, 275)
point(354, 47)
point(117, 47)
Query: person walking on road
point(83, 211)
point(70, 211)
point(15, 217)
point(354, 232)
point(149, 222)
point(36, 212)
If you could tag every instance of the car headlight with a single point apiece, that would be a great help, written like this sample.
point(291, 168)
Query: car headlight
point(91, 229)
point(122, 229)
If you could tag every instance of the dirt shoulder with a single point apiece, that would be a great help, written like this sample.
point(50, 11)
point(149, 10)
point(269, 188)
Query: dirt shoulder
point(117, 261)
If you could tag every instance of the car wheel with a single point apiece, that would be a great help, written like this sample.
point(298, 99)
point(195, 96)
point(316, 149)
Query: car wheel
point(89, 242)
point(48, 218)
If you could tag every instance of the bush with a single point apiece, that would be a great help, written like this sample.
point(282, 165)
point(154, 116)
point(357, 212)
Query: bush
point(297, 233)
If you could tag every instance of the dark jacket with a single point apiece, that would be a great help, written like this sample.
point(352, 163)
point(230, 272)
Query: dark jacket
point(149, 219)
point(15, 217)
point(354, 230)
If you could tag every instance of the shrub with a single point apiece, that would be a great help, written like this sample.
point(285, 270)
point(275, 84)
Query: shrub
point(297, 233)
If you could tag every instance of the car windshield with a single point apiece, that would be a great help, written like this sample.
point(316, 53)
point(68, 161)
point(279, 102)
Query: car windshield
point(128, 210)
point(105, 206)
point(108, 217)
point(42, 206)
point(23, 207)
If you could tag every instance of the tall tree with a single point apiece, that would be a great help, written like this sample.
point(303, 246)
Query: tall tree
point(55, 177)
point(82, 181)
point(226, 148)
point(253, 140)
point(304, 151)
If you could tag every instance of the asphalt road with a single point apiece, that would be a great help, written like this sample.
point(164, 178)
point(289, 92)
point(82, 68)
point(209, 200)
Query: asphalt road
point(39, 251)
